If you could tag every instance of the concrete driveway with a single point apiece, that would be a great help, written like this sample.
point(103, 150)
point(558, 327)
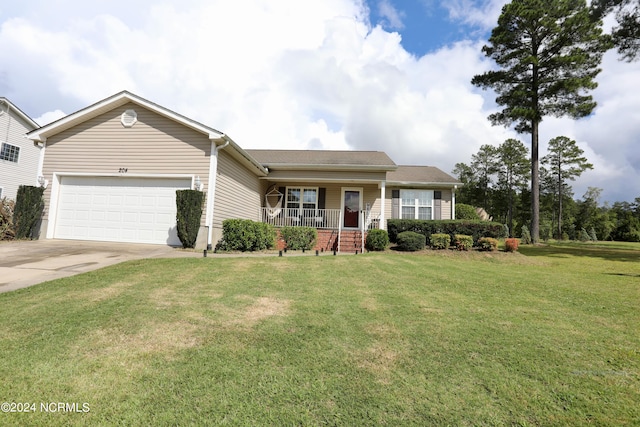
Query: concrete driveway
point(26, 263)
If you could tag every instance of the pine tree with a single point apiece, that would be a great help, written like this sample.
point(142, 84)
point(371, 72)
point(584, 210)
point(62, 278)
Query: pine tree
point(548, 53)
point(565, 162)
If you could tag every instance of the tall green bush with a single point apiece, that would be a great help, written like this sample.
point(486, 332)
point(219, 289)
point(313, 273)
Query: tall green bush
point(189, 212)
point(299, 237)
point(246, 235)
point(28, 210)
point(377, 240)
point(467, 212)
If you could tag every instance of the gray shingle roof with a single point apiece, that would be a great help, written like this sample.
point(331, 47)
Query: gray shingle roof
point(322, 158)
point(420, 174)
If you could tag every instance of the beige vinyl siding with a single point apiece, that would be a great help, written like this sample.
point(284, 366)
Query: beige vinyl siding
point(238, 191)
point(102, 145)
point(445, 207)
point(12, 175)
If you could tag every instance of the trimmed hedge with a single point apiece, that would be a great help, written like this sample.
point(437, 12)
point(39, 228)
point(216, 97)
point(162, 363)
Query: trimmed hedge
point(440, 241)
point(28, 210)
point(487, 244)
point(246, 235)
point(299, 237)
point(463, 242)
point(410, 241)
point(189, 211)
point(377, 240)
point(475, 229)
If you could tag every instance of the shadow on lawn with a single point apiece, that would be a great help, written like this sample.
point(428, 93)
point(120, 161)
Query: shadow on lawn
point(582, 250)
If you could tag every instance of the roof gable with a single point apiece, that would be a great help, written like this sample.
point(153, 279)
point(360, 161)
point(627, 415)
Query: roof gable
point(110, 103)
point(8, 107)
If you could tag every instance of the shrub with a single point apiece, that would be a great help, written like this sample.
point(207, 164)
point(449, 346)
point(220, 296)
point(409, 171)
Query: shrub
point(511, 245)
point(545, 230)
point(592, 235)
point(411, 241)
point(189, 211)
point(7, 231)
point(476, 229)
point(246, 235)
point(299, 237)
point(466, 212)
point(584, 236)
point(463, 242)
point(377, 240)
point(526, 236)
point(488, 244)
point(28, 209)
point(440, 241)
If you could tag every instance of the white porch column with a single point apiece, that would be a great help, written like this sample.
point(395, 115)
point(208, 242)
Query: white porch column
point(211, 185)
point(453, 202)
point(383, 223)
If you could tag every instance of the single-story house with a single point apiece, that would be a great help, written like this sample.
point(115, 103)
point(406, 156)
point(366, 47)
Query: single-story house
point(113, 169)
point(19, 156)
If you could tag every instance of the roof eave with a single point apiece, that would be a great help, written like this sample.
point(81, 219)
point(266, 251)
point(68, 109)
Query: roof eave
point(331, 167)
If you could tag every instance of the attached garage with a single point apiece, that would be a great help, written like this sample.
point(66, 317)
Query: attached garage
point(118, 209)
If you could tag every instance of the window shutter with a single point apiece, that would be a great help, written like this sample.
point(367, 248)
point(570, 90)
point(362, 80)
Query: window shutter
point(395, 204)
point(322, 195)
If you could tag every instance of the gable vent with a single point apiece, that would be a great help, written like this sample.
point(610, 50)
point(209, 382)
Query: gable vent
point(4, 107)
point(129, 118)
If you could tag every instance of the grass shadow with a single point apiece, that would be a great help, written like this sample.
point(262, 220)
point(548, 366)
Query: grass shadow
point(605, 251)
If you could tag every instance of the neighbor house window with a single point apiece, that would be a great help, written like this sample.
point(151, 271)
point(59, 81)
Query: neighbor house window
point(9, 152)
point(302, 198)
point(416, 204)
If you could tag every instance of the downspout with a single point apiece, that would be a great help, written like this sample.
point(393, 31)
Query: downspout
point(211, 186)
point(39, 174)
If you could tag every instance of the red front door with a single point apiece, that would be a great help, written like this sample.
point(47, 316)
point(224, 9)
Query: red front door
point(351, 212)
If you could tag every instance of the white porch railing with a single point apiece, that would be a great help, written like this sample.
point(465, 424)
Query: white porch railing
point(317, 218)
point(288, 217)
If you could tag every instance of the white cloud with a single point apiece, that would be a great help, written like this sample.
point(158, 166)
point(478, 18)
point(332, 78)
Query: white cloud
point(391, 16)
point(291, 74)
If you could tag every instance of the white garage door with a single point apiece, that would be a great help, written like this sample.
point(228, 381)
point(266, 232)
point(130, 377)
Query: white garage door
point(119, 209)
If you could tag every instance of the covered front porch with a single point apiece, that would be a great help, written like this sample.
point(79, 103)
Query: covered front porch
point(342, 214)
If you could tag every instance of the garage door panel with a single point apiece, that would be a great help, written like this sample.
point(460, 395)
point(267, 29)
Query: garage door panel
point(121, 209)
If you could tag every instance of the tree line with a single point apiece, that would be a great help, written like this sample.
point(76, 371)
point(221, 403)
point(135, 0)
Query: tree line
point(547, 55)
point(497, 180)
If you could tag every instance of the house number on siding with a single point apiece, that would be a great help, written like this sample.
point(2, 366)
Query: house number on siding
point(123, 170)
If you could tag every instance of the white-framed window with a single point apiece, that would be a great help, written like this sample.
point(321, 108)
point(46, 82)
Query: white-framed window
point(9, 152)
point(416, 204)
point(302, 198)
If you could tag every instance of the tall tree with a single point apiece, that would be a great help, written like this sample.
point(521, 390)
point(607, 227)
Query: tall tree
point(626, 35)
point(548, 53)
point(513, 167)
point(565, 162)
point(484, 164)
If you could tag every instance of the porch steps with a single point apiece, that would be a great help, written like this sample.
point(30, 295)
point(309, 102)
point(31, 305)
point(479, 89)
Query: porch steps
point(350, 241)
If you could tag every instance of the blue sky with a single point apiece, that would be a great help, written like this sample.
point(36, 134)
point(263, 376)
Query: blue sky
point(385, 75)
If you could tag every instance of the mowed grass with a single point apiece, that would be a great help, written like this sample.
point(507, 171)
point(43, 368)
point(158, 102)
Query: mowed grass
point(548, 336)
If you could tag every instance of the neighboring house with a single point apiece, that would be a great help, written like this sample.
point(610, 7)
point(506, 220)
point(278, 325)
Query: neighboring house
point(19, 156)
point(114, 167)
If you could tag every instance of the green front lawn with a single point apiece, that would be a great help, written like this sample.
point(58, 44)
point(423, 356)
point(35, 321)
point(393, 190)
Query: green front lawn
point(548, 336)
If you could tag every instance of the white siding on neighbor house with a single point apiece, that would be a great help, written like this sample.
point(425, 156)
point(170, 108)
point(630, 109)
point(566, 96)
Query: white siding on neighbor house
point(25, 172)
point(155, 146)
